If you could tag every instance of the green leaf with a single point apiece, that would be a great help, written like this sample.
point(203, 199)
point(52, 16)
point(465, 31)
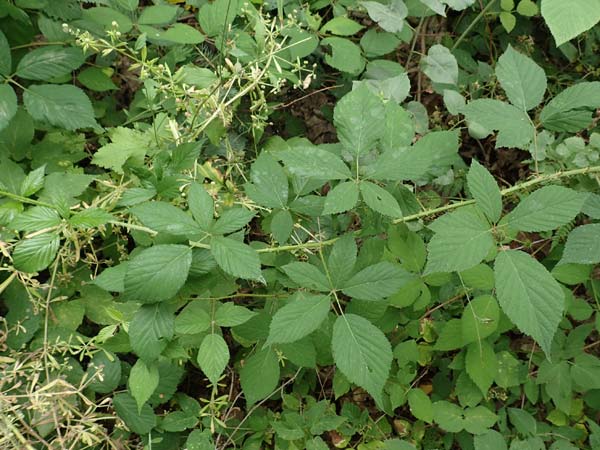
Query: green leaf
point(479, 419)
point(49, 62)
point(523, 421)
point(96, 79)
point(362, 352)
point(236, 258)
point(342, 259)
point(8, 105)
point(341, 26)
point(90, 218)
point(399, 129)
point(149, 329)
point(458, 5)
point(521, 78)
point(192, 319)
point(213, 356)
point(377, 281)
point(390, 17)
point(380, 200)
point(201, 205)
point(507, 20)
point(545, 209)
point(143, 380)
point(310, 161)
point(481, 365)
point(63, 106)
point(104, 372)
point(408, 246)
point(128, 145)
point(490, 440)
point(178, 421)
point(5, 56)
point(420, 405)
point(567, 20)
point(36, 253)
point(217, 16)
point(572, 109)
point(357, 117)
point(106, 17)
point(345, 55)
point(448, 416)
point(282, 225)
point(231, 315)
point(164, 217)
point(485, 190)
point(157, 273)
point(158, 15)
point(269, 185)
point(514, 126)
point(36, 218)
point(307, 275)
point(300, 317)
point(180, 33)
point(462, 240)
point(480, 318)
point(529, 296)
point(232, 220)
point(440, 65)
point(140, 422)
point(527, 8)
point(556, 378)
point(583, 245)
point(259, 375)
point(585, 371)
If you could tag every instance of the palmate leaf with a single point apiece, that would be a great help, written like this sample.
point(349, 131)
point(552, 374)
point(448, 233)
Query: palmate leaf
point(362, 352)
point(529, 296)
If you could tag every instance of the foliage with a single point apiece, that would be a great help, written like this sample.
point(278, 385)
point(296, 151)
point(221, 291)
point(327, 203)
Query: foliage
point(182, 267)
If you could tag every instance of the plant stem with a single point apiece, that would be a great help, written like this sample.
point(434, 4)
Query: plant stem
point(472, 24)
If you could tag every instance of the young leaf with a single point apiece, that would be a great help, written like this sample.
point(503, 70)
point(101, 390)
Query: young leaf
point(521, 78)
point(583, 245)
point(49, 62)
point(269, 185)
point(36, 253)
point(310, 161)
point(150, 327)
point(481, 365)
point(259, 375)
point(380, 200)
point(143, 380)
point(546, 209)
point(307, 275)
point(362, 352)
point(341, 198)
point(213, 356)
point(236, 258)
point(485, 190)
point(377, 281)
point(8, 105)
point(166, 218)
point(127, 145)
point(357, 117)
point(300, 317)
point(63, 106)
point(529, 296)
point(157, 273)
point(462, 239)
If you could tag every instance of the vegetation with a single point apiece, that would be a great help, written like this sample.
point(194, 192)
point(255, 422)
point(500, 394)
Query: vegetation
point(299, 225)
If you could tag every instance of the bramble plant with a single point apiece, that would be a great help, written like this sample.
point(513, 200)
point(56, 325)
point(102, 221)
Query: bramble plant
point(355, 224)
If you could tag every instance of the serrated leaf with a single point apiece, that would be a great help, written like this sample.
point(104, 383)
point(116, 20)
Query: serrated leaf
point(440, 65)
point(143, 380)
point(345, 55)
point(567, 20)
point(556, 377)
point(90, 218)
point(490, 440)
point(341, 198)
point(390, 17)
point(448, 416)
point(232, 220)
point(157, 273)
point(481, 365)
point(583, 245)
point(341, 26)
point(462, 240)
point(362, 352)
point(545, 209)
point(521, 78)
point(307, 275)
point(420, 405)
point(164, 217)
point(192, 319)
point(33, 182)
point(63, 106)
point(8, 105)
point(149, 329)
point(377, 281)
point(479, 419)
point(128, 145)
point(158, 14)
point(5, 56)
point(213, 356)
point(485, 190)
point(300, 317)
point(529, 296)
point(282, 225)
point(231, 315)
point(480, 318)
point(140, 422)
point(269, 185)
point(49, 62)
point(310, 161)
point(36, 253)
point(181, 33)
point(342, 259)
point(380, 200)
point(513, 125)
point(259, 375)
point(36, 218)
point(357, 117)
point(96, 79)
point(201, 205)
point(572, 109)
point(585, 371)
point(103, 372)
point(236, 258)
